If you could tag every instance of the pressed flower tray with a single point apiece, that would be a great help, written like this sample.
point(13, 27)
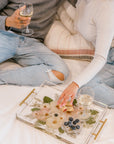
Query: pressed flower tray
point(39, 109)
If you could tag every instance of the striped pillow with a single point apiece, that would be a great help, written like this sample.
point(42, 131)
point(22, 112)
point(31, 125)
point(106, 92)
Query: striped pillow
point(60, 40)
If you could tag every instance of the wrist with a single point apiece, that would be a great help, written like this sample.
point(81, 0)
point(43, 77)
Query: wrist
point(75, 84)
point(7, 22)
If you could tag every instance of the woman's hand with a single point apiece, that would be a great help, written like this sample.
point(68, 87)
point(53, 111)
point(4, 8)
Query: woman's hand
point(17, 21)
point(68, 93)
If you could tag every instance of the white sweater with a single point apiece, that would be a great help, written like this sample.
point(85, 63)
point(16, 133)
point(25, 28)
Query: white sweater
point(95, 21)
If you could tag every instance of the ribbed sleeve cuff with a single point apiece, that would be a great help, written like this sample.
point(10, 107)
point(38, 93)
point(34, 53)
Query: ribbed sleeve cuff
point(2, 22)
point(78, 82)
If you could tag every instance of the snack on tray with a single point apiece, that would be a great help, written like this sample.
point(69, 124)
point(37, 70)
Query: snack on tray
point(40, 110)
point(72, 125)
point(65, 119)
point(68, 107)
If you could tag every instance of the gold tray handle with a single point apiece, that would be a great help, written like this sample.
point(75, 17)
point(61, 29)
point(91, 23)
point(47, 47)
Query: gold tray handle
point(26, 97)
point(103, 123)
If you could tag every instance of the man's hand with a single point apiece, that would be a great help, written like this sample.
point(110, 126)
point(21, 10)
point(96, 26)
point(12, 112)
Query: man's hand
point(17, 21)
point(68, 93)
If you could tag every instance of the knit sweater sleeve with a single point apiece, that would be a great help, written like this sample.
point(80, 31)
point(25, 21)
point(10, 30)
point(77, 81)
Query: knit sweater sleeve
point(104, 22)
point(3, 3)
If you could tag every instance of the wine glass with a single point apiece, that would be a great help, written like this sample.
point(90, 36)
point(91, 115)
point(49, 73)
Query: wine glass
point(85, 99)
point(26, 10)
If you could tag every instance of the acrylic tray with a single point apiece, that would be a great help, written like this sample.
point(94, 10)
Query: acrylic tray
point(86, 136)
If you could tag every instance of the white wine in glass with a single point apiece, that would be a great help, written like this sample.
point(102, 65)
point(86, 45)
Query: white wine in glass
point(26, 10)
point(85, 99)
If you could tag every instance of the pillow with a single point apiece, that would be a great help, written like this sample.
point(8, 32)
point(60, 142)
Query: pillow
point(66, 20)
point(70, 10)
point(68, 45)
point(64, 40)
point(66, 14)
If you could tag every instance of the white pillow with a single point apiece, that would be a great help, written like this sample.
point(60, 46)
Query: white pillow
point(64, 40)
point(67, 21)
point(70, 10)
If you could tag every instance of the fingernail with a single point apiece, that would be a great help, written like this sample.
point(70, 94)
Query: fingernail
point(60, 106)
point(63, 104)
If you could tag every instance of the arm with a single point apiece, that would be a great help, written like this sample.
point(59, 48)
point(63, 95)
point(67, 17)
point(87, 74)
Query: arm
point(15, 20)
point(3, 3)
point(105, 33)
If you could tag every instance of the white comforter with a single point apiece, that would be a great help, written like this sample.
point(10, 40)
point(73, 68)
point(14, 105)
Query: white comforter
point(12, 131)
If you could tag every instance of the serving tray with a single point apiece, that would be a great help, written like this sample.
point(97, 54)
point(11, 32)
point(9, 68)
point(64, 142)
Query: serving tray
point(35, 99)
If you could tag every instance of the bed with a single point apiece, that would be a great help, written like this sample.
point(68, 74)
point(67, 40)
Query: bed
point(13, 131)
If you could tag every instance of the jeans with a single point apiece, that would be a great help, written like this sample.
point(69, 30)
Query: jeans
point(103, 82)
point(35, 58)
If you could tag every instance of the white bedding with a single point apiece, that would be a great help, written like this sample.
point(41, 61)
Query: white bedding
point(12, 131)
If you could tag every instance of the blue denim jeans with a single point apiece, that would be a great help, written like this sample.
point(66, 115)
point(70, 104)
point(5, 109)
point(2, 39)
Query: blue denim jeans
point(35, 58)
point(103, 82)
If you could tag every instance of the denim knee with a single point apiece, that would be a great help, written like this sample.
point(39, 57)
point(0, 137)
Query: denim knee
point(54, 79)
point(110, 82)
point(64, 70)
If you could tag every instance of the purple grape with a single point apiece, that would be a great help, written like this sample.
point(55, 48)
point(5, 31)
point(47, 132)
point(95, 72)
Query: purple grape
point(77, 127)
point(70, 119)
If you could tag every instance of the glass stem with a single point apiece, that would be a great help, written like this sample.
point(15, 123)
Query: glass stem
point(27, 29)
point(85, 111)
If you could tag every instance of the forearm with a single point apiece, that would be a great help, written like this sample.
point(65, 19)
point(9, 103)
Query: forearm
point(5, 22)
point(14, 21)
point(3, 3)
point(90, 71)
point(2, 22)
point(104, 35)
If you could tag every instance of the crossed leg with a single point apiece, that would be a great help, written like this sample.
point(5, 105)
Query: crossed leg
point(36, 60)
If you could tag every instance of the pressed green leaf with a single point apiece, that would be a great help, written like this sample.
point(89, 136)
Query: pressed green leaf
point(40, 122)
point(74, 102)
point(47, 99)
point(61, 130)
point(90, 121)
point(93, 112)
point(35, 109)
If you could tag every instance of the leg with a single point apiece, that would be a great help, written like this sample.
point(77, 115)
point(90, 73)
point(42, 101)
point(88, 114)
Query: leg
point(8, 44)
point(37, 61)
point(58, 74)
point(103, 84)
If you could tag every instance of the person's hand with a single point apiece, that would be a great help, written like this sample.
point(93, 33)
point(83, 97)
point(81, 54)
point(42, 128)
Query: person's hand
point(17, 21)
point(68, 93)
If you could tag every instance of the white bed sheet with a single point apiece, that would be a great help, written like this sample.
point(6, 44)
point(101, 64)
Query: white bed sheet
point(13, 131)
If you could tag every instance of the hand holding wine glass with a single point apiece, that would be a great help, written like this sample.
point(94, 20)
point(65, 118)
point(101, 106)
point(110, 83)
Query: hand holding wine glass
point(26, 10)
point(17, 21)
